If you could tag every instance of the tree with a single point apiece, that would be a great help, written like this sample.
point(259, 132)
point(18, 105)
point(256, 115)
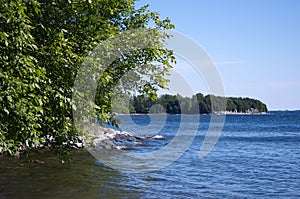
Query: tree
point(176, 104)
point(44, 43)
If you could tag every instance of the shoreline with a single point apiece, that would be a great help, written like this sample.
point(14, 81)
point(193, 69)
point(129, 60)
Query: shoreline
point(220, 113)
point(99, 138)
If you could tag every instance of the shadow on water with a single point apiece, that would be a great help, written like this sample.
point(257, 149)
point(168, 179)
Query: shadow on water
point(82, 178)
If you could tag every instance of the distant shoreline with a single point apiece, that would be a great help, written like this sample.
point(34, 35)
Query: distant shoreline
point(226, 113)
point(284, 110)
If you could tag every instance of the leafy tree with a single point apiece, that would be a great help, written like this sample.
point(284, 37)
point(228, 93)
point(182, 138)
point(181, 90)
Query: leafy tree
point(203, 108)
point(230, 106)
point(44, 43)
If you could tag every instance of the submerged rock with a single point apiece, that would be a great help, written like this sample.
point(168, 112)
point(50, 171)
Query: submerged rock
point(36, 161)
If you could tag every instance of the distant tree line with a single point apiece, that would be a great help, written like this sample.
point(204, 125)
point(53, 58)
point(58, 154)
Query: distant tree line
point(176, 104)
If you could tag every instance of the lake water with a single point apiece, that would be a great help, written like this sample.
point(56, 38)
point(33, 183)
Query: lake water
point(256, 156)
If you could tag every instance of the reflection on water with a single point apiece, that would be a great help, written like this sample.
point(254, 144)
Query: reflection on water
point(20, 178)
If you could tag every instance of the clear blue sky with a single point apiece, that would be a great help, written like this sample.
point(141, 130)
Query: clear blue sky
point(255, 44)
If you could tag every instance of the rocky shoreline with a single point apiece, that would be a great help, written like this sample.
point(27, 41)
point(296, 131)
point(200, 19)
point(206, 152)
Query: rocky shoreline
point(107, 138)
point(101, 138)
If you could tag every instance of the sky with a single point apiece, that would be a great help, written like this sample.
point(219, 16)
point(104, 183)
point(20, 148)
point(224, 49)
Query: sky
point(255, 45)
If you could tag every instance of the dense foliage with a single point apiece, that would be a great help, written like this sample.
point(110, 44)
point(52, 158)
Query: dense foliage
point(176, 104)
point(42, 46)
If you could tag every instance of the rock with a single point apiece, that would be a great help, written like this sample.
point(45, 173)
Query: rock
point(78, 145)
point(106, 138)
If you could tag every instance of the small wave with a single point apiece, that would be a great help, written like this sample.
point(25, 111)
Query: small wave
point(261, 139)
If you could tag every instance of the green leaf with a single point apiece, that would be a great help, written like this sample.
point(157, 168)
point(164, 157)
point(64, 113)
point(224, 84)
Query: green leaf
point(6, 111)
point(9, 98)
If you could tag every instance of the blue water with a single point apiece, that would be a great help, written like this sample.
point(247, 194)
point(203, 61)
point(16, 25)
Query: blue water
point(256, 156)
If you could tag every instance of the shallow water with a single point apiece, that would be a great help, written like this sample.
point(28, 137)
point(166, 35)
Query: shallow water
point(257, 156)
